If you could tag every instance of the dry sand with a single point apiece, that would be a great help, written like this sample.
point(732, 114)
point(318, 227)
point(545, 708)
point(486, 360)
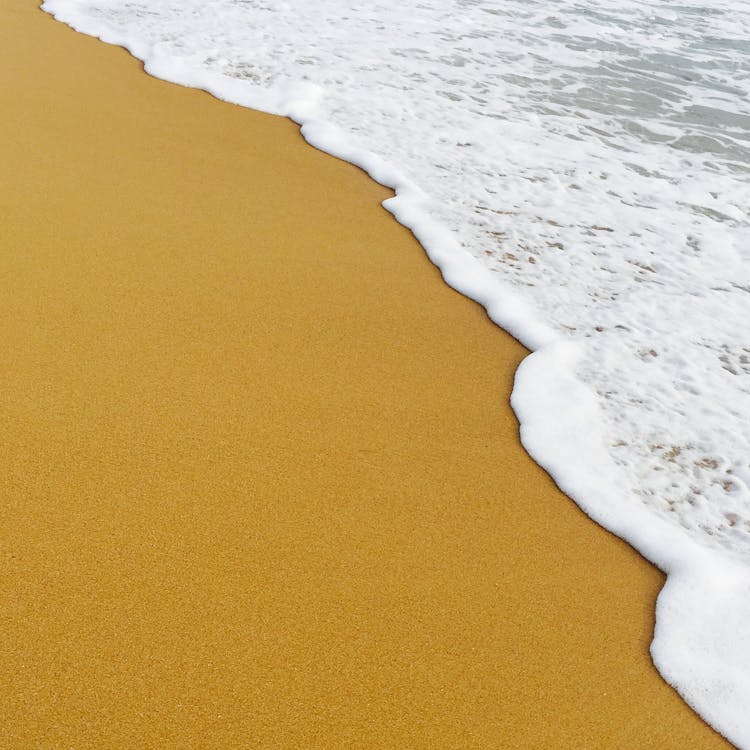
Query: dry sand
point(260, 484)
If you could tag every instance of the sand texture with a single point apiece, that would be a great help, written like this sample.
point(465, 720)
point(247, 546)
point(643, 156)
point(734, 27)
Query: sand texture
point(260, 484)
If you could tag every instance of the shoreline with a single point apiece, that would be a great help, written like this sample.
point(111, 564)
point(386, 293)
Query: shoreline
point(263, 484)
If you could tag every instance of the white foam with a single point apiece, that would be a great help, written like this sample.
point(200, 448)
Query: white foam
point(581, 170)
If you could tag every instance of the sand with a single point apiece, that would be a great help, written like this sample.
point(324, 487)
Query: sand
point(261, 486)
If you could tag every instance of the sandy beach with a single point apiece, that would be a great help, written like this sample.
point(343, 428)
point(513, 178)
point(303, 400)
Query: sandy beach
point(261, 486)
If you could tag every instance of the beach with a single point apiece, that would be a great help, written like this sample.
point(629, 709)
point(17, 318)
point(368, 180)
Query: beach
point(261, 483)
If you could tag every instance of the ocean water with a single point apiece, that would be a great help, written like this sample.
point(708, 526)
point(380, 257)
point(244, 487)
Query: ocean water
point(582, 169)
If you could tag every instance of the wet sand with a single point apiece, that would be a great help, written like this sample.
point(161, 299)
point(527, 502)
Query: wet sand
point(261, 486)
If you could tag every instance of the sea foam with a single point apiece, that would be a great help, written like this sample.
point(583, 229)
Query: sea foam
point(581, 170)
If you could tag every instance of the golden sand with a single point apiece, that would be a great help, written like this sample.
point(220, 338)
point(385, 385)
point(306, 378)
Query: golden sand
point(260, 484)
